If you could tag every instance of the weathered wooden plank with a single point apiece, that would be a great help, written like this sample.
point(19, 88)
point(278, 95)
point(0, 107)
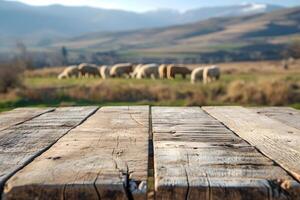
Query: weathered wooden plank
point(197, 157)
point(19, 115)
point(21, 143)
point(276, 140)
point(286, 115)
point(104, 158)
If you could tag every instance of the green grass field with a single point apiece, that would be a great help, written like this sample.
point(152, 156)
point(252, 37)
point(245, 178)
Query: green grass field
point(176, 92)
point(247, 84)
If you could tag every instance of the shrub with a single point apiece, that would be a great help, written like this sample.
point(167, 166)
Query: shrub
point(272, 93)
point(293, 50)
point(277, 93)
point(197, 99)
point(245, 93)
point(10, 76)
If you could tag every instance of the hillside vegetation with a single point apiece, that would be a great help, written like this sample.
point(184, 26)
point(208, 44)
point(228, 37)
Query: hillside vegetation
point(262, 36)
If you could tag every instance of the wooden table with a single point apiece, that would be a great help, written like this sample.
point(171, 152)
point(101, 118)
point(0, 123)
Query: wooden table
point(111, 153)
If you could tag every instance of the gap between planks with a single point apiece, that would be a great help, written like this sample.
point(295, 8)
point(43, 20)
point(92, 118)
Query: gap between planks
point(106, 157)
point(151, 184)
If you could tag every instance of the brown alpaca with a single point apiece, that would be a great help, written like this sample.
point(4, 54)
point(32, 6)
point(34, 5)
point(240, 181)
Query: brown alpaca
point(173, 70)
point(119, 70)
point(89, 70)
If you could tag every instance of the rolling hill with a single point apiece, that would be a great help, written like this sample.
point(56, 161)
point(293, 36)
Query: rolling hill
point(264, 34)
point(42, 25)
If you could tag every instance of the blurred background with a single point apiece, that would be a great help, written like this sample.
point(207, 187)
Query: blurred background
point(255, 45)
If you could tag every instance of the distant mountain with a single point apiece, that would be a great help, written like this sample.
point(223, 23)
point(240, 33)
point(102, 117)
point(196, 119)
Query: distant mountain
point(44, 23)
point(227, 11)
point(260, 35)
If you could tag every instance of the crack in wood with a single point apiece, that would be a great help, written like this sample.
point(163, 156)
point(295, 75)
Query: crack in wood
point(95, 187)
point(131, 116)
point(188, 184)
point(209, 187)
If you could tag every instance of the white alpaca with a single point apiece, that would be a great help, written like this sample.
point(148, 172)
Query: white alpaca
point(197, 75)
point(211, 74)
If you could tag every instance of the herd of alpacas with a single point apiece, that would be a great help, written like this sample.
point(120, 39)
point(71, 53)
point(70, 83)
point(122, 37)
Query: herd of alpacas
point(141, 71)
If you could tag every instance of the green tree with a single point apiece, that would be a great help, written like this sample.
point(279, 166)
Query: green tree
point(64, 53)
point(293, 50)
point(24, 57)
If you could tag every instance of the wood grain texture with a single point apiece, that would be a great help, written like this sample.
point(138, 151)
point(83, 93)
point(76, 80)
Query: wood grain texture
point(104, 158)
point(197, 157)
point(20, 144)
point(19, 115)
point(286, 115)
point(276, 140)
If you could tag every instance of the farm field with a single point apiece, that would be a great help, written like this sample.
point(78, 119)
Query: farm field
point(263, 83)
point(149, 100)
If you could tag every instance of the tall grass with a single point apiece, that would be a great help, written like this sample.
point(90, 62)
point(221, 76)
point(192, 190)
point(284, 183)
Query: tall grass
point(266, 92)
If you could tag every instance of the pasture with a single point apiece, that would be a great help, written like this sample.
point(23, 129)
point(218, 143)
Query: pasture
point(262, 83)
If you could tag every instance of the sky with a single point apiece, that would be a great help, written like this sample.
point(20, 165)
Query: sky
point(145, 5)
